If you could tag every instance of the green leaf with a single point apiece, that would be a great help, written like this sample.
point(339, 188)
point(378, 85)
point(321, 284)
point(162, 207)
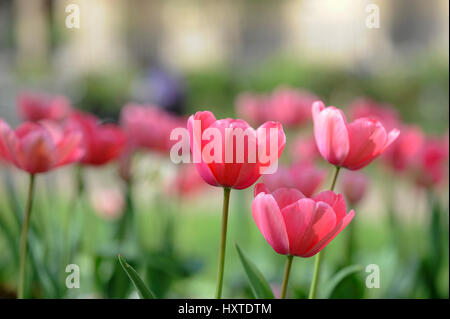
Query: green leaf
point(143, 290)
point(334, 281)
point(258, 283)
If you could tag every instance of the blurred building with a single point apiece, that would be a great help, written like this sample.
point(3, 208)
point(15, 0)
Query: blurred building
point(196, 33)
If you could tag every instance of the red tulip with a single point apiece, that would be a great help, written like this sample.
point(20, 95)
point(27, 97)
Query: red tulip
point(302, 176)
point(431, 164)
point(149, 127)
point(403, 151)
point(102, 142)
point(353, 145)
point(291, 107)
point(39, 147)
point(354, 185)
point(364, 107)
point(221, 170)
point(36, 107)
point(296, 225)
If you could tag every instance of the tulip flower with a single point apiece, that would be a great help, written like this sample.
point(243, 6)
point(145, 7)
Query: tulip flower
point(291, 107)
point(102, 142)
point(431, 163)
point(286, 105)
point(304, 149)
point(295, 225)
point(36, 107)
point(149, 127)
point(36, 148)
point(303, 176)
point(230, 154)
point(354, 186)
point(353, 145)
point(39, 147)
point(252, 107)
point(227, 171)
point(365, 107)
point(403, 151)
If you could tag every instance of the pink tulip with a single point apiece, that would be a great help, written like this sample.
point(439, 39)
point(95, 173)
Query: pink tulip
point(252, 107)
point(291, 107)
point(286, 105)
point(304, 149)
point(296, 225)
point(39, 147)
point(431, 164)
point(233, 174)
point(102, 142)
point(303, 176)
point(36, 107)
point(403, 151)
point(353, 145)
point(354, 185)
point(365, 107)
point(149, 127)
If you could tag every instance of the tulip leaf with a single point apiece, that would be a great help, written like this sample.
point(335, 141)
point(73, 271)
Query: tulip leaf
point(143, 290)
point(337, 278)
point(260, 287)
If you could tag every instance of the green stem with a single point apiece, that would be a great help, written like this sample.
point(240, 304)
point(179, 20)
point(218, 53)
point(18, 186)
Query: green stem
point(315, 279)
point(287, 271)
point(336, 173)
point(312, 290)
point(23, 239)
point(223, 241)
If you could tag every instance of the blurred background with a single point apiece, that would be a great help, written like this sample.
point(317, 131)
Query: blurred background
point(187, 56)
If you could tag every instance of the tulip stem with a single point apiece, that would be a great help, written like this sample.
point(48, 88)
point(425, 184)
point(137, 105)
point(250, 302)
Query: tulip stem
point(23, 239)
point(312, 290)
point(315, 279)
point(336, 173)
point(223, 241)
point(287, 271)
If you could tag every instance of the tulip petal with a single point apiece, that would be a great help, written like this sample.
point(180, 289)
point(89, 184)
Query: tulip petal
point(330, 131)
point(260, 188)
point(323, 222)
point(264, 146)
point(270, 222)
point(297, 218)
point(286, 196)
point(331, 235)
point(237, 169)
point(5, 132)
point(69, 149)
point(392, 136)
point(206, 118)
point(336, 201)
